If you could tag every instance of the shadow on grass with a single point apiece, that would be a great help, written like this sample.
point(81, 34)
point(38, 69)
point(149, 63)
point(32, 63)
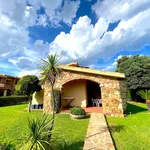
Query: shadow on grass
point(113, 129)
point(73, 146)
point(7, 146)
point(134, 109)
point(116, 128)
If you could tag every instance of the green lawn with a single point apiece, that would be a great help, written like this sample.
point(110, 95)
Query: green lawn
point(133, 131)
point(14, 125)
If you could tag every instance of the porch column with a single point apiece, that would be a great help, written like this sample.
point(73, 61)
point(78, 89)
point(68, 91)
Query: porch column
point(62, 96)
point(5, 93)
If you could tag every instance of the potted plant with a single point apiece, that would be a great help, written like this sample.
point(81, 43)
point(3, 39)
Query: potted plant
point(145, 94)
point(77, 113)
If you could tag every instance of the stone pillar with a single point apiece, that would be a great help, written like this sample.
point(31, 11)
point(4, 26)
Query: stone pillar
point(47, 98)
point(111, 99)
point(5, 93)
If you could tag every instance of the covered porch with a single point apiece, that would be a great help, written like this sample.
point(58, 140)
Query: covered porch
point(82, 93)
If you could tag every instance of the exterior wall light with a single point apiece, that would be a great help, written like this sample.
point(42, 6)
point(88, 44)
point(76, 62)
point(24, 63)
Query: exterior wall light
point(101, 85)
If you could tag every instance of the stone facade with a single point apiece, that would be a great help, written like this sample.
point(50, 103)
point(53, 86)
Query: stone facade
point(113, 90)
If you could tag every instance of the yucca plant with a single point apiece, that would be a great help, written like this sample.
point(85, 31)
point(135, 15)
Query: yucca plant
point(49, 72)
point(145, 94)
point(39, 129)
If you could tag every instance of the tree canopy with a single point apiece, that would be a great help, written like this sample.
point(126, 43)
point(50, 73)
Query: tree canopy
point(137, 71)
point(27, 85)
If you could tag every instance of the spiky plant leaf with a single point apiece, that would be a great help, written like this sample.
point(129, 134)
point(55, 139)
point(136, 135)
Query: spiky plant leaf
point(145, 94)
point(39, 129)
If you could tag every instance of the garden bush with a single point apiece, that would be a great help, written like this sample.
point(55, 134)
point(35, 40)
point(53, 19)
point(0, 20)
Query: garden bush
point(12, 100)
point(77, 111)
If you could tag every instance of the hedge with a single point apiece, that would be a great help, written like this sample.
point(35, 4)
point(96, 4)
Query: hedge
point(12, 100)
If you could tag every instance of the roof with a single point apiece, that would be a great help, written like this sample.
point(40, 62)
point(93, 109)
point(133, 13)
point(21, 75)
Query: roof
point(8, 76)
point(83, 69)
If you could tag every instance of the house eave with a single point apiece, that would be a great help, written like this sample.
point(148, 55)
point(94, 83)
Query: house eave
point(92, 71)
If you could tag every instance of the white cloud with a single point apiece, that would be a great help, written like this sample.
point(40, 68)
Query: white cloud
point(87, 43)
point(119, 9)
point(18, 12)
point(69, 10)
point(78, 44)
point(30, 58)
point(42, 20)
point(12, 37)
point(16, 17)
point(113, 66)
point(23, 62)
point(28, 72)
point(56, 11)
point(25, 66)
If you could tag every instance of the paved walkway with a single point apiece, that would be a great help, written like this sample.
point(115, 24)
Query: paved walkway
point(98, 136)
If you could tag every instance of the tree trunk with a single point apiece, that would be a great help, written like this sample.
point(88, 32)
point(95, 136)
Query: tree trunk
point(29, 104)
point(53, 111)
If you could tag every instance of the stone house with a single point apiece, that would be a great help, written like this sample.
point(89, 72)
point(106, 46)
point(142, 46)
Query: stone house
point(81, 84)
point(7, 84)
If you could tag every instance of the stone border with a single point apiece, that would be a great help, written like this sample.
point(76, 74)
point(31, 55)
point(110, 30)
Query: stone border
point(98, 136)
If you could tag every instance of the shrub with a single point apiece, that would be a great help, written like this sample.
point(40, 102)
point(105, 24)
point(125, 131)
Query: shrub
point(12, 100)
point(38, 134)
point(77, 111)
point(57, 96)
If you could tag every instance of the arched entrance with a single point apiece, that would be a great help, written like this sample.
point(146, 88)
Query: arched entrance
point(81, 92)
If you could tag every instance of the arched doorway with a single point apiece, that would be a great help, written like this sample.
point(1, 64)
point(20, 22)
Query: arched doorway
point(82, 91)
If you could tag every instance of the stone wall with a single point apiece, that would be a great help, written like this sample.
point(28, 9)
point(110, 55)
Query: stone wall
point(113, 91)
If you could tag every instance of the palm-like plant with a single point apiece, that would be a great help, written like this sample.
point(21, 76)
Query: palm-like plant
point(145, 94)
point(49, 72)
point(38, 134)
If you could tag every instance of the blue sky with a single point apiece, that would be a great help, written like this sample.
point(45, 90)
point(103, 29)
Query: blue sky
point(94, 33)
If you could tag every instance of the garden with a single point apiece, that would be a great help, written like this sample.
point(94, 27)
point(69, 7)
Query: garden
point(133, 131)
point(36, 131)
point(14, 128)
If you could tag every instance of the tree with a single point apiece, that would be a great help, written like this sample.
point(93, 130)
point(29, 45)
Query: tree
point(137, 72)
point(27, 85)
point(49, 72)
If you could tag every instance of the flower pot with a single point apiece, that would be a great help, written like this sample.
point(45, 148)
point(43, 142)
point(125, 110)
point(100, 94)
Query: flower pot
point(148, 104)
point(77, 116)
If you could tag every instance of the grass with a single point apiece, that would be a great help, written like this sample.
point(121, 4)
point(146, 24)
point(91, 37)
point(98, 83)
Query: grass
point(14, 126)
point(133, 131)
